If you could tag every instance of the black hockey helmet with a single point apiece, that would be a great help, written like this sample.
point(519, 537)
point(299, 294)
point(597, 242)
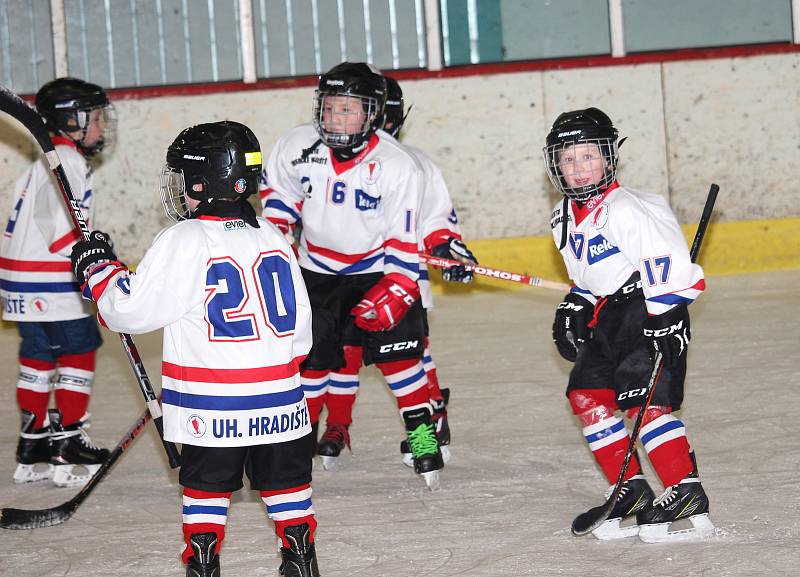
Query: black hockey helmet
point(66, 104)
point(394, 115)
point(354, 79)
point(207, 162)
point(586, 126)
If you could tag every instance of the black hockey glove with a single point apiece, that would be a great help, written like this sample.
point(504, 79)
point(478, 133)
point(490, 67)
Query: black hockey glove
point(88, 253)
point(570, 327)
point(456, 250)
point(669, 333)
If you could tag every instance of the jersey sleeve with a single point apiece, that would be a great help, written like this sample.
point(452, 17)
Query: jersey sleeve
point(302, 333)
point(154, 296)
point(651, 238)
point(280, 190)
point(437, 218)
point(401, 211)
point(50, 213)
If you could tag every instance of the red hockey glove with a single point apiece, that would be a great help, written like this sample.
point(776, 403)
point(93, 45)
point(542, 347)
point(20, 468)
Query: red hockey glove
point(386, 303)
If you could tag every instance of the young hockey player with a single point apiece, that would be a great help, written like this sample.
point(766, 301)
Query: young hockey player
point(59, 336)
point(633, 277)
point(357, 194)
point(226, 288)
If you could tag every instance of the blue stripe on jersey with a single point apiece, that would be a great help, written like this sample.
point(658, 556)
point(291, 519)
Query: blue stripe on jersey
point(39, 287)
point(615, 428)
point(363, 264)
point(423, 274)
point(413, 267)
point(218, 403)
point(665, 428)
point(279, 205)
point(410, 380)
point(579, 291)
point(204, 510)
point(290, 506)
point(670, 299)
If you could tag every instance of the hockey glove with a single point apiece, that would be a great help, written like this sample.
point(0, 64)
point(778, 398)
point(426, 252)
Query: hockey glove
point(456, 250)
point(669, 333)
point(386, 303)
point(87, 254)
point(570, 327)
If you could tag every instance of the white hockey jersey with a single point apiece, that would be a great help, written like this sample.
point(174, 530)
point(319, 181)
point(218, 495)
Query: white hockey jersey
point(623, 231)
point(437, 218)
point(36, 280)
point(237, 325)
point(358, 216)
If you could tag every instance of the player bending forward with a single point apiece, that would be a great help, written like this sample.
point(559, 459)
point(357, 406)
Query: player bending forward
point(58, 332)
point(356, 193)
point(633, 281)
point(226, 288)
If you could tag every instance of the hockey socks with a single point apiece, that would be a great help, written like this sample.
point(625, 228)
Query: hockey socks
point(33, 387)
point(315, 385)
point(203, 512)
point(430, 372)
point(289, 507)
point(664, 439)
point(74, 385)
point(407, 381)
point(343, 386)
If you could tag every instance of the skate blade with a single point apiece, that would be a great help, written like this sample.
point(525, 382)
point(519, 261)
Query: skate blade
point(33, 473)
point(432, 480)
point(702, 527)
point(330, 463)
point(611, 530)
point(408, 458)
point(69, 475)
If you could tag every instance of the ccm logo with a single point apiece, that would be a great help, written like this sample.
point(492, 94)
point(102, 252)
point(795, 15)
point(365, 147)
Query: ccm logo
point(663, 332)
point(399, 291)
point(569, 305)
point(398, 346)
point(630, 394)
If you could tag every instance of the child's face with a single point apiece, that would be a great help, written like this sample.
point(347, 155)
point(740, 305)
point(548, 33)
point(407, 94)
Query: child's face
point(343, 114)
point(582, 164)
point(95, 128)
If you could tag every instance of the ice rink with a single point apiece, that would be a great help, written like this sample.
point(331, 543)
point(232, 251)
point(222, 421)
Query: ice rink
point(520, 470)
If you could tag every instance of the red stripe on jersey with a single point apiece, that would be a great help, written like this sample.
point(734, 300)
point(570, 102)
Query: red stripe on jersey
point(99, 288)
point(340, 256)
point(438, 237)
point(340, 167)
point(581, 212)
point(264, 192)
point(409, 247)
point(211, 375)
point(64, 241)
point(56, 140)
point(36, 265)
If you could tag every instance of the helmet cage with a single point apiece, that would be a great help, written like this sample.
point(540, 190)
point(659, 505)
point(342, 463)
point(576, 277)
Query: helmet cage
point(108, 117)
point(373, 116)
point(557, 170)
point(173, 194)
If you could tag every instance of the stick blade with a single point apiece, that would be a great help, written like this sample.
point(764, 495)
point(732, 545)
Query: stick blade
point(592, 519)
point(17, 519)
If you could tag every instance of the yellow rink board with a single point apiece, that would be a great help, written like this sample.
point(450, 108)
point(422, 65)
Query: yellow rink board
point(738, 247)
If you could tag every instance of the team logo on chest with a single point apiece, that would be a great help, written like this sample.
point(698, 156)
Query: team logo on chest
point(371, 171)
point(600, 216)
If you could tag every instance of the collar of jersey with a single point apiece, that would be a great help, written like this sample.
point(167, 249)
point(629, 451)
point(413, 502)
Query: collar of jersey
point(340, 167)
point(56, 140)
point(581, 212)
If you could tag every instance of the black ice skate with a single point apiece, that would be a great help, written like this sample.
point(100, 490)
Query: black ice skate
point(685, 501)
point(73, 449)
point(205, 561)
point(335, 438)
point(300, 559)
point(424, 444)
point(33, 452)
point(442, 431)
point(635, 495)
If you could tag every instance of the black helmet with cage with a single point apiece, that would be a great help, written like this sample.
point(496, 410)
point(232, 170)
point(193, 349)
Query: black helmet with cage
point(208, 162)
point(356, 80)
point(394, 114)
point(589, 126)
point(66, 105)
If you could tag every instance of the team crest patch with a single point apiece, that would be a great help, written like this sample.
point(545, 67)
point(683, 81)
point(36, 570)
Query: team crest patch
point(196, 426)
point(372, 171)
point(240, 186)
point(600, 216)
point(39, 305)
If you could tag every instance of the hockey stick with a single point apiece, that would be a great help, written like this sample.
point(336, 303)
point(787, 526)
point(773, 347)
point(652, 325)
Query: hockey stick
point(14, 106)
point(34, 518)
point(494, 273)
point(596, 516)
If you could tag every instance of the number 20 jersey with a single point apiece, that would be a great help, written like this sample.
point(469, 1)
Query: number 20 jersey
point(623, 231)
point(237, 324)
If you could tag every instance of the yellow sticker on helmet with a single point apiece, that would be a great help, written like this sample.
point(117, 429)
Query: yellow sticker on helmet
point(251, 158)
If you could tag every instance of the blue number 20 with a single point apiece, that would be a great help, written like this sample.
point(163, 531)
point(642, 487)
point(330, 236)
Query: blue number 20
point(227, 312)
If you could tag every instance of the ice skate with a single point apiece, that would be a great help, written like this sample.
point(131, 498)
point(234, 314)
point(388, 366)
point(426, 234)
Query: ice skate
point(424, 445)
point(33, 452)
point(72, 450)
point(634, 496)
point(300, 559)
point(205, 561)
point(335, 438)
point(685, 503)
point(442, 431)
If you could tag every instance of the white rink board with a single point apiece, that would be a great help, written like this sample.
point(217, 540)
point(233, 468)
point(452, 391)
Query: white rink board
point(519, 473)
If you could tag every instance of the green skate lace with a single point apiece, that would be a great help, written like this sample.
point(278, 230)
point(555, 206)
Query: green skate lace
point(422, 441)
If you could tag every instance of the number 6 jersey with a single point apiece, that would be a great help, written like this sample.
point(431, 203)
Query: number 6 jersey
point(237, 325)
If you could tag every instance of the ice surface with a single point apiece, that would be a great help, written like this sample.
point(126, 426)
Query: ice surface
point(520, 471)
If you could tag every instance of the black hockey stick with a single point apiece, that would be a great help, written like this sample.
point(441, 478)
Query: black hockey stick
point(14, 106)
point(34, 518)
point(596, 516)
